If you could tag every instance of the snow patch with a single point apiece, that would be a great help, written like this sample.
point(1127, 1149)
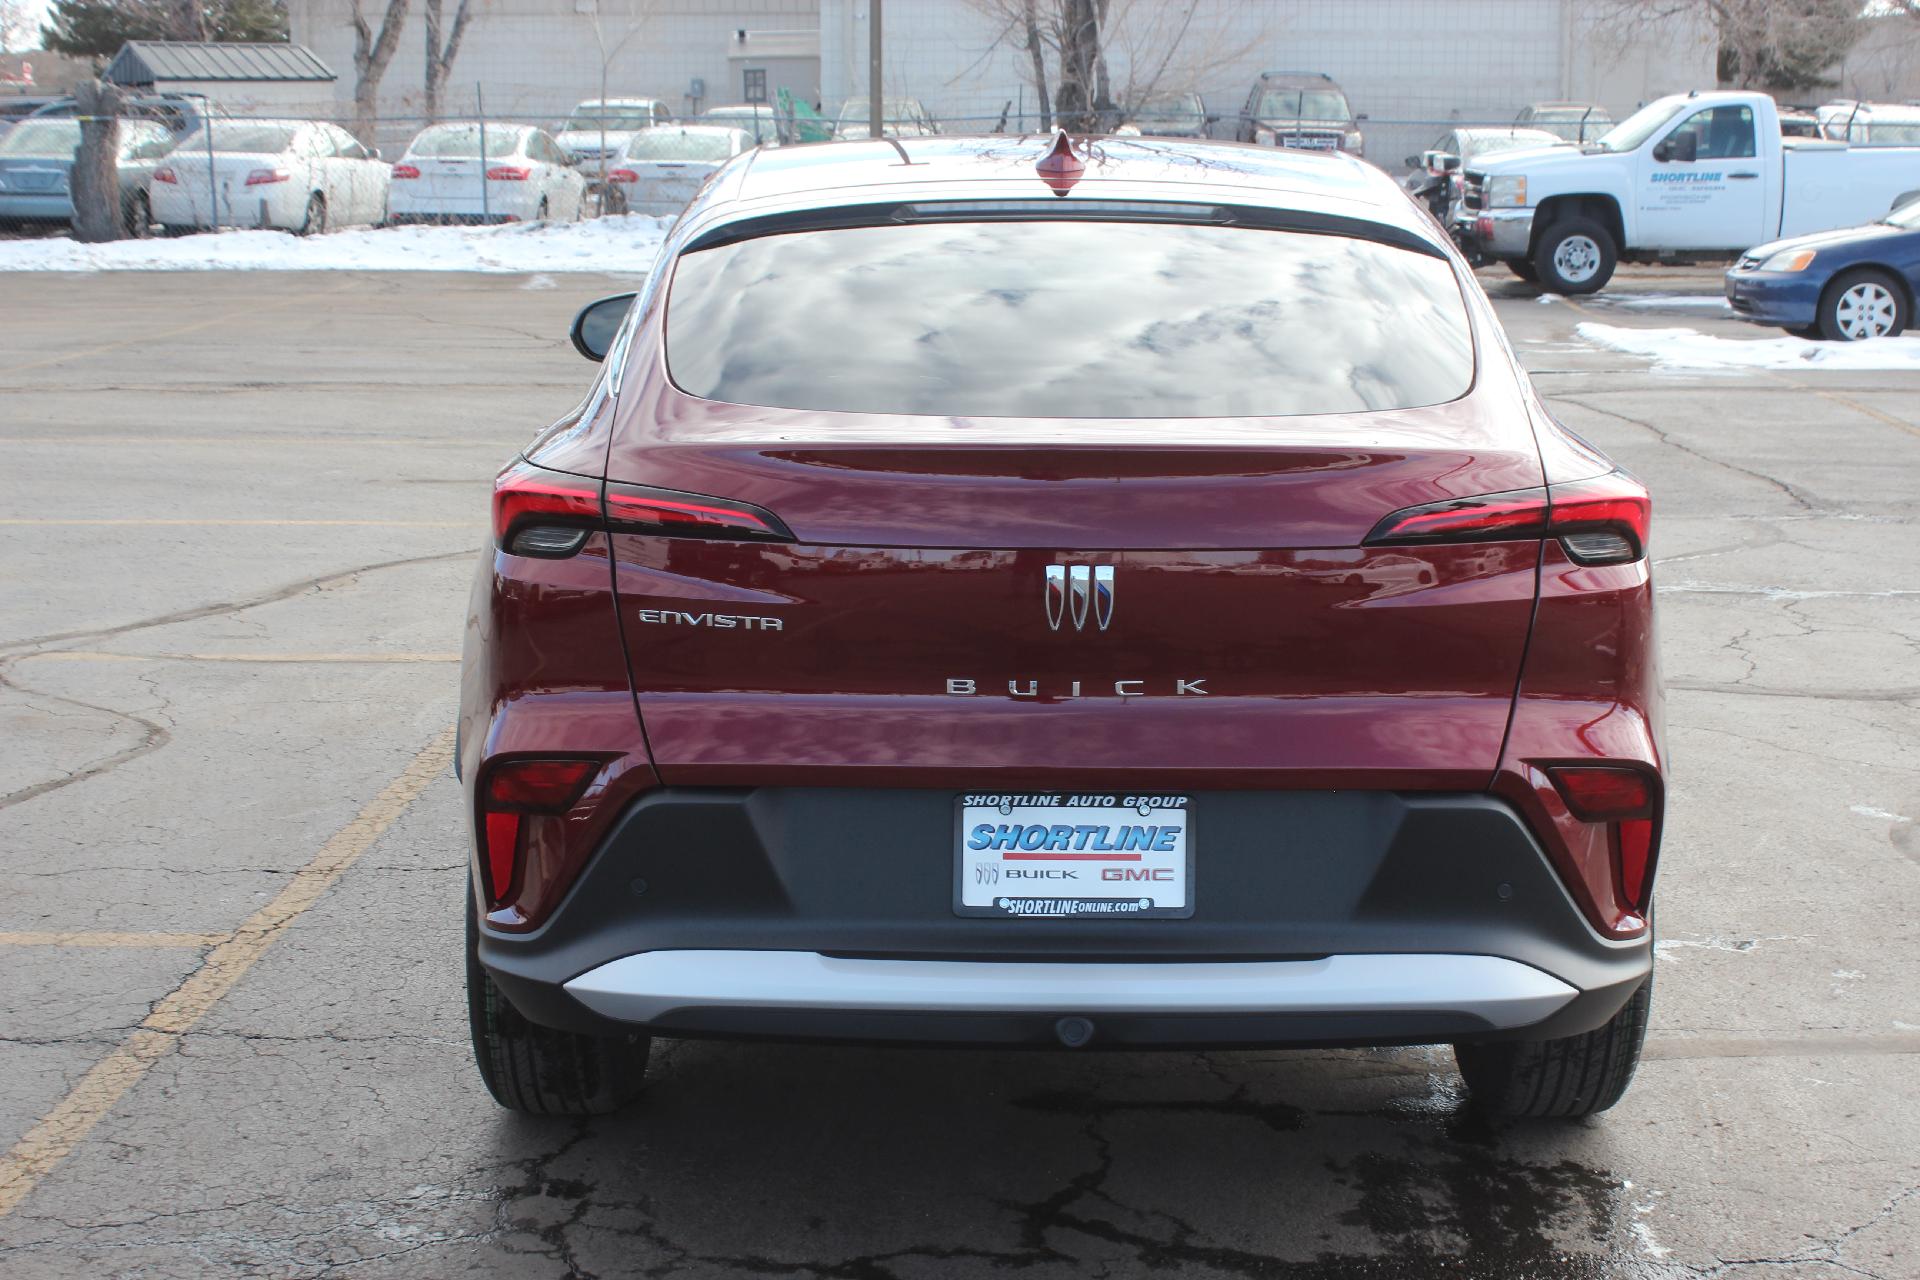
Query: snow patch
point(1690, 351)
point(1666, 302)
point(624, 244)
point(1665, 947)
point(1868, 811)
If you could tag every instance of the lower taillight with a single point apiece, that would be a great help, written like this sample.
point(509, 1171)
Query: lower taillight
point(623, 175)
point(401, 172)
point(1627, 802)
point(1604, 520)
point(509, 173)
point(549, 514)
point(513, 792)
point(264, 177)
point(165, 174)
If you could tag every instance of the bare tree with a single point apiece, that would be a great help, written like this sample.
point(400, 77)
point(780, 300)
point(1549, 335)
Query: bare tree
point(17, 25)
point(97, 215)
point(440, 55)
point(371, 54)
point(187, 20)
point(638, 11)
point(1779, 45)
point(1093, 62)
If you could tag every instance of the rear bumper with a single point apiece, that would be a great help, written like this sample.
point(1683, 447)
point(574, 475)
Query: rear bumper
point(1320, 918)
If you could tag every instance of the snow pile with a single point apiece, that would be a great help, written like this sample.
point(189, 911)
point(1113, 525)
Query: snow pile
point(617, 244)
point(1689, 350)
point(1666, 302)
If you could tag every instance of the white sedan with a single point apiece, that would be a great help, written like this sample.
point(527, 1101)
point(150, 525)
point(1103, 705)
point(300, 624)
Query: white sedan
point(304, 176)
point(658, 170)
point(523, 177)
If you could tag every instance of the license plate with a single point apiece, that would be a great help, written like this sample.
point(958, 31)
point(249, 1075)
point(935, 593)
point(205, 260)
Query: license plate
point(1066, 856)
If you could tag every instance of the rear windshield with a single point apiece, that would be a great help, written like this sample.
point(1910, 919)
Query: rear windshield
point(42, 139)
point(462, 142)
point(1068, 319)
point(653, 145)
point(242, 136)
point(589, 116)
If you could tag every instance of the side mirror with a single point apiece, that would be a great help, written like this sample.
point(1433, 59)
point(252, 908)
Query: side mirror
point(1682, 146)
point(1362, 116)
point(598, 323)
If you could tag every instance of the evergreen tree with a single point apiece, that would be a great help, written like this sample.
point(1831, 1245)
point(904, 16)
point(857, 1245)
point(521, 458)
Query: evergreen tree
point(97, 28)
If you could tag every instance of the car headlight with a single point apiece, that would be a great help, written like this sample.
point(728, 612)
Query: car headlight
point(1788, 260)
point(1353, 140)
point(1506, 191)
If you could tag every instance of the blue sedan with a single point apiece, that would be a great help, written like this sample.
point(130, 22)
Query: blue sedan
point(1842, 285)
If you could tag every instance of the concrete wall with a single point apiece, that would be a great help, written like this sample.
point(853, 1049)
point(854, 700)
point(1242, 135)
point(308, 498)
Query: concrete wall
point(1414, 66)
point(1884, 66)
point(536, 58)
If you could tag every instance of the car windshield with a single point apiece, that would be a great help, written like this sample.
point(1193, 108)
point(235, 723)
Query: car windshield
point(1171, 108)
point(42, 139)
point(462, 142)
point(1018, 319)
point(589, 116)
point(241, 135)
point(1638, 127)
point(664, 144)
point(1304, 104)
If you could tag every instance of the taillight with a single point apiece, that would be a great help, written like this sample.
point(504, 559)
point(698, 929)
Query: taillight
point(637, 509)
point(548, 514)
point(401, 172)
point(543, 513)
point(1604, 520)
point(264, 177)
point(1627, 802)
point(513, 791)
point(623, 175)
point(165, 174)
point(509, 173)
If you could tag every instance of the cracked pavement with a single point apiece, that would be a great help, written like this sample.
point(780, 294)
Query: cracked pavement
point(234, 582)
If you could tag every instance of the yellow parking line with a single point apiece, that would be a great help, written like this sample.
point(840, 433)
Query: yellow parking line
point(62, 1129)
point(140, 520)
point(85, 655)
point(1850, 403)
point(95, 939)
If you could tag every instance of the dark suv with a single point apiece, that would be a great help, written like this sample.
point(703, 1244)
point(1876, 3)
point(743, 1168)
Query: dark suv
point(1165, 617)
point(1303, 109)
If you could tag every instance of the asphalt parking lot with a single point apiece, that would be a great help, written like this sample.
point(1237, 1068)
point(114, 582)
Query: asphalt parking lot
point(239, 514)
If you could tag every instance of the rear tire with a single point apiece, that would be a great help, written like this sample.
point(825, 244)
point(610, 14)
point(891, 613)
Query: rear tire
point(1863, 304)
point(540, 214)
point(315, 223)
point(541, 1071)
point(1575, 256)
point(139, 217)
point(1560, 1079)
point(1524, 270)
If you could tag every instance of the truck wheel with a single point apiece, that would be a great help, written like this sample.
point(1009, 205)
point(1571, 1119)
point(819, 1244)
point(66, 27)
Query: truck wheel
point(1524, 270)
point(1862, 304)
point(1560, 1079)
point(539, 1070)
point(1575, 255)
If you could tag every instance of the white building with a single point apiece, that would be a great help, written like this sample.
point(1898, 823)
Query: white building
point(1413, 66)
point(533, 59)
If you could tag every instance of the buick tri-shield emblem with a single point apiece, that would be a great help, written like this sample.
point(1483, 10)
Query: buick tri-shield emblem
point(1079, 592)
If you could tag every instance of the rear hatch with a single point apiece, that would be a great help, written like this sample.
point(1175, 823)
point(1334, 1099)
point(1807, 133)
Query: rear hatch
point(1096, 601)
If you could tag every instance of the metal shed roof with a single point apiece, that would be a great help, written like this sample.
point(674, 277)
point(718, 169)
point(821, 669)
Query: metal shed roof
point(155, 62)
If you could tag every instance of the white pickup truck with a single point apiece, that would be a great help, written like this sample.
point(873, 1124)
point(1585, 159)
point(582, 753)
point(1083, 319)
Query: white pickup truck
point(1699, 173)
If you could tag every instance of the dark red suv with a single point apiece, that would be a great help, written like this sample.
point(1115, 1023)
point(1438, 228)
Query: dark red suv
point(1120, 593)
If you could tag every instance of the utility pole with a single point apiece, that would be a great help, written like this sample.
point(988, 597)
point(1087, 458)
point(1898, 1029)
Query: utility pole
point(876, 96)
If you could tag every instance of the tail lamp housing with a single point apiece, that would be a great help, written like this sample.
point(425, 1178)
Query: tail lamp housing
point(513, 791)
point(402, 172)
point(1605, 520)
point(266, 177)
point(509, 173)
point(1627, 801)
point(166, 174)
point(623, 175)
point(549, 514)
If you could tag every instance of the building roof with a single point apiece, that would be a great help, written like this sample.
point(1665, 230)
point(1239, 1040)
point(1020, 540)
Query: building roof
point(155, 62)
